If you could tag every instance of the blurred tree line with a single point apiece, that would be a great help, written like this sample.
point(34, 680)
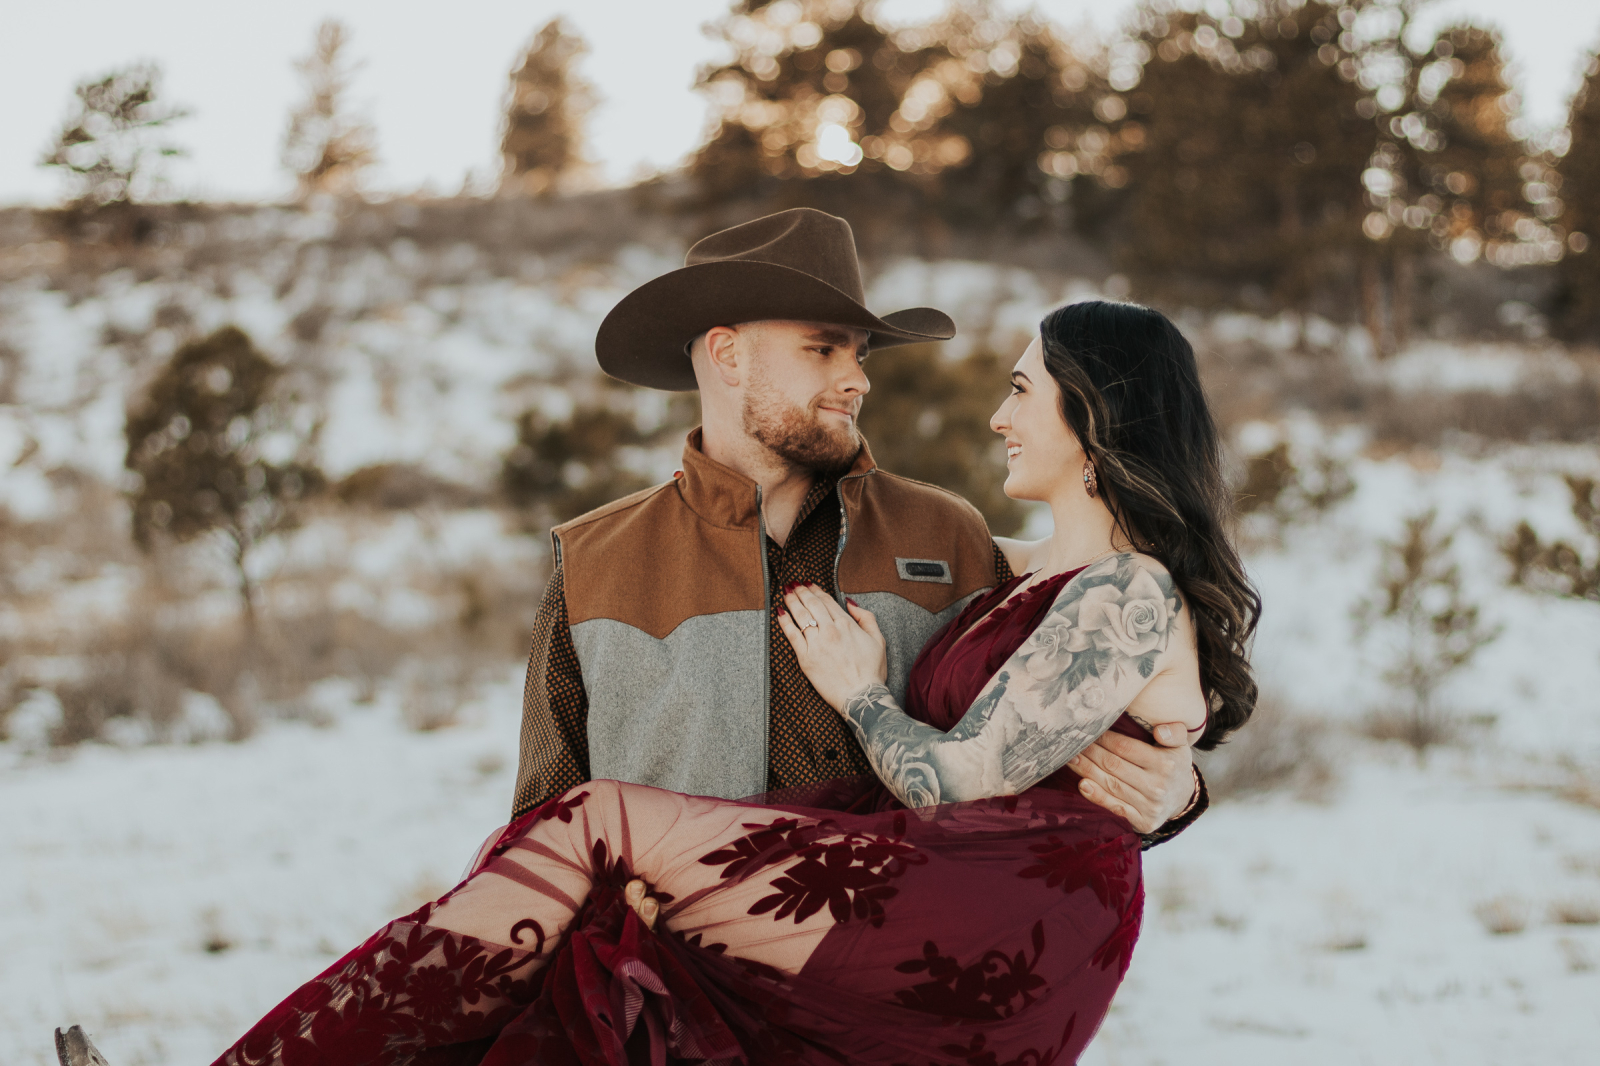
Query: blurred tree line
point(1281, 155)
point(1307, 156)
point(1277, 155)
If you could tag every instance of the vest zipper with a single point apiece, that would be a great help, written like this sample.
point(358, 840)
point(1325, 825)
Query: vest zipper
point(844, 535)
point(766, 671)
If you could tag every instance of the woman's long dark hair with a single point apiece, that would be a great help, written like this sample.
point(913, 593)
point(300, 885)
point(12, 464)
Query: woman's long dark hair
point(1130, 391)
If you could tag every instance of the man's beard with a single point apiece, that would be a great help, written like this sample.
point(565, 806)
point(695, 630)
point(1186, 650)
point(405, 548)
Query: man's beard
point(796, 434)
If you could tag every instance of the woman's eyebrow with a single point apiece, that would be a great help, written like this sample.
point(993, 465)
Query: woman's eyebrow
point(1015, 374)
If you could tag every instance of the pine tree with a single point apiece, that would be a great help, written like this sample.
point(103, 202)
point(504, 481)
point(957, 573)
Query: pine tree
point(1578, 303)
point(811, 91)
point(1022, 97)
point(1447, 173)
point(325, 147)
point(202, 441)
point(111, 145)
point(1242, 152)
point(546, 105)
point(951, 120)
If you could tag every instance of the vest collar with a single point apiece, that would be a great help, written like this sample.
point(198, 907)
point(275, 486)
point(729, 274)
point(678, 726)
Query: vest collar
point(725, 497)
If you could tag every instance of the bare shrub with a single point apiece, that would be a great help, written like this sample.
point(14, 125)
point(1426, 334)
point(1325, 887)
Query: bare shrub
point(1276, 492)
point(132, 684)
point(402, 487)
point(1535, 412)
point(1503, 915)
point(214, 939)
point(1558, 567)
point(1430, 630)
point(558, 470)
point(1278, 750)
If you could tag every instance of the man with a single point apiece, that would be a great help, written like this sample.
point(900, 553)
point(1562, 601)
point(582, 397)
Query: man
point(656, 656)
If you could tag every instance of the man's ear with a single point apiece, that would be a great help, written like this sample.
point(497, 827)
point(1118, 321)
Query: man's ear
point(724, 355)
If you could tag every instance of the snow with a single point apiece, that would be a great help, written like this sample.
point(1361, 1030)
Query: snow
point(1283, 932)
point(1276, 930)
point(121, 864)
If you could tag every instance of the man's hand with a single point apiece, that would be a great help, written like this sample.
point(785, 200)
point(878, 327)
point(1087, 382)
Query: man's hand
point(1146, 784)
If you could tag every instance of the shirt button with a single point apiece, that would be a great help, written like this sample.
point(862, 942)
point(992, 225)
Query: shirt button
point(831, 754)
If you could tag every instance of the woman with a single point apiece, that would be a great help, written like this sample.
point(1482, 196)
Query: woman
point(964, 906)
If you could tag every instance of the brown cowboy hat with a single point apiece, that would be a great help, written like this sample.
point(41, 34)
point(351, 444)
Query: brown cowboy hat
point(799, 264)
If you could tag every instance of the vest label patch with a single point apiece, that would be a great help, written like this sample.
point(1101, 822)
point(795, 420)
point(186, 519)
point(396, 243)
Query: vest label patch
point(934, 570)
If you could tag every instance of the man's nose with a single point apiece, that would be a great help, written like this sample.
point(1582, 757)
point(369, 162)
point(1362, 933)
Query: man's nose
point(854, 379)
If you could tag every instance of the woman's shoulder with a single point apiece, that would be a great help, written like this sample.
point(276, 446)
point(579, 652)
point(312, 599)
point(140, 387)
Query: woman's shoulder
point(1126, 578)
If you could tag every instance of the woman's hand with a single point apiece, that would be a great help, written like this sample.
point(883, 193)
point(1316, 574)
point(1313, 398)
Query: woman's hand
point(840, 653)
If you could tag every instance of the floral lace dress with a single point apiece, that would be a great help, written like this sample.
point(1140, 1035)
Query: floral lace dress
point(823, 925)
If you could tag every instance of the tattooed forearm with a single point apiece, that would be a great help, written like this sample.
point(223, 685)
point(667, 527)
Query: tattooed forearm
point(1101, 642)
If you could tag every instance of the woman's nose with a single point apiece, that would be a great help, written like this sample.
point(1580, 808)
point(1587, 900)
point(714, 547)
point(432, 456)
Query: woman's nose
point(998, 421)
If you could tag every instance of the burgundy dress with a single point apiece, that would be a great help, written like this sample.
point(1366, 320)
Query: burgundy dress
point(824, 925)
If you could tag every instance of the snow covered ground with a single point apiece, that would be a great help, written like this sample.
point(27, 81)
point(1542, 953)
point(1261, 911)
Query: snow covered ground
point(1355, 929)
point(165, 897)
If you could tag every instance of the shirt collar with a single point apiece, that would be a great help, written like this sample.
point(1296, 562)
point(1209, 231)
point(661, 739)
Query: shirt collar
point(725, 497)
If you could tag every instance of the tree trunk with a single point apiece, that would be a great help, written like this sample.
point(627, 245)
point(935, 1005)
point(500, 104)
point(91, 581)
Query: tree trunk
point(1372, 302)
point(1405, 290)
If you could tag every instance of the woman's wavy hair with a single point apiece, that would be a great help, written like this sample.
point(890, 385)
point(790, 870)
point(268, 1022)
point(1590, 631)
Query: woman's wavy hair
point(1130, 391)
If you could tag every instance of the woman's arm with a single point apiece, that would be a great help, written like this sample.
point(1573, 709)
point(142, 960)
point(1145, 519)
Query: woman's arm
point(1104, 638)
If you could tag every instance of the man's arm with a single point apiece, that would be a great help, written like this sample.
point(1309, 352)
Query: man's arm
point(1148, 784)
point(555, 708)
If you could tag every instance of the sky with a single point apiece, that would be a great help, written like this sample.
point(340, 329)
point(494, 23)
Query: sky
point(434, 76)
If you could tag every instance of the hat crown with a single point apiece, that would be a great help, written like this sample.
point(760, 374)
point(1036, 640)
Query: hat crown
point(802, 238)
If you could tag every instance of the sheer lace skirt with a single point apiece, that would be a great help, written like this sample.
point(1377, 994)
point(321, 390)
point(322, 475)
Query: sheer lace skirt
point(993, 931)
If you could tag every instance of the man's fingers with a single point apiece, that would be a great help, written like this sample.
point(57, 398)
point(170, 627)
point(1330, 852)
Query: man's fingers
point(649, 910)
point(1155, 758)
point(1124, 771)
point(1100, 798)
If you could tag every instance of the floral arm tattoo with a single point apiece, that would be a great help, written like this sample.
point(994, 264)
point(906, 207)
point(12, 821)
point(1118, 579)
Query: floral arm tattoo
point(1095, 650)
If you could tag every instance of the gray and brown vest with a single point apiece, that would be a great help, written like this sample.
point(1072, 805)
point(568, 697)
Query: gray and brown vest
point(667, 598)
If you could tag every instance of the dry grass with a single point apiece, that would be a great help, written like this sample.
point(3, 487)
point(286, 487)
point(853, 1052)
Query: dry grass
point(1418, 727)
point(1503, 915)
point(1277, 750)
point(1576, 911)
point(1579, 958)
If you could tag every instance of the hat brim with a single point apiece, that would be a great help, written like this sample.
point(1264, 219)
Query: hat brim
point(642, 340)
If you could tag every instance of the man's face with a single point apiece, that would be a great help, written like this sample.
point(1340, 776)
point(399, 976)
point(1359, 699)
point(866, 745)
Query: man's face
point(804, 391)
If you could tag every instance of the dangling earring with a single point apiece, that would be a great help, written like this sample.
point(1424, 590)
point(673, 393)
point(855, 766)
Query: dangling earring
point(1090, 483)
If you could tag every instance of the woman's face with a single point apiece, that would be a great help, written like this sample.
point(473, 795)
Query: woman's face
point(1042, 453)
